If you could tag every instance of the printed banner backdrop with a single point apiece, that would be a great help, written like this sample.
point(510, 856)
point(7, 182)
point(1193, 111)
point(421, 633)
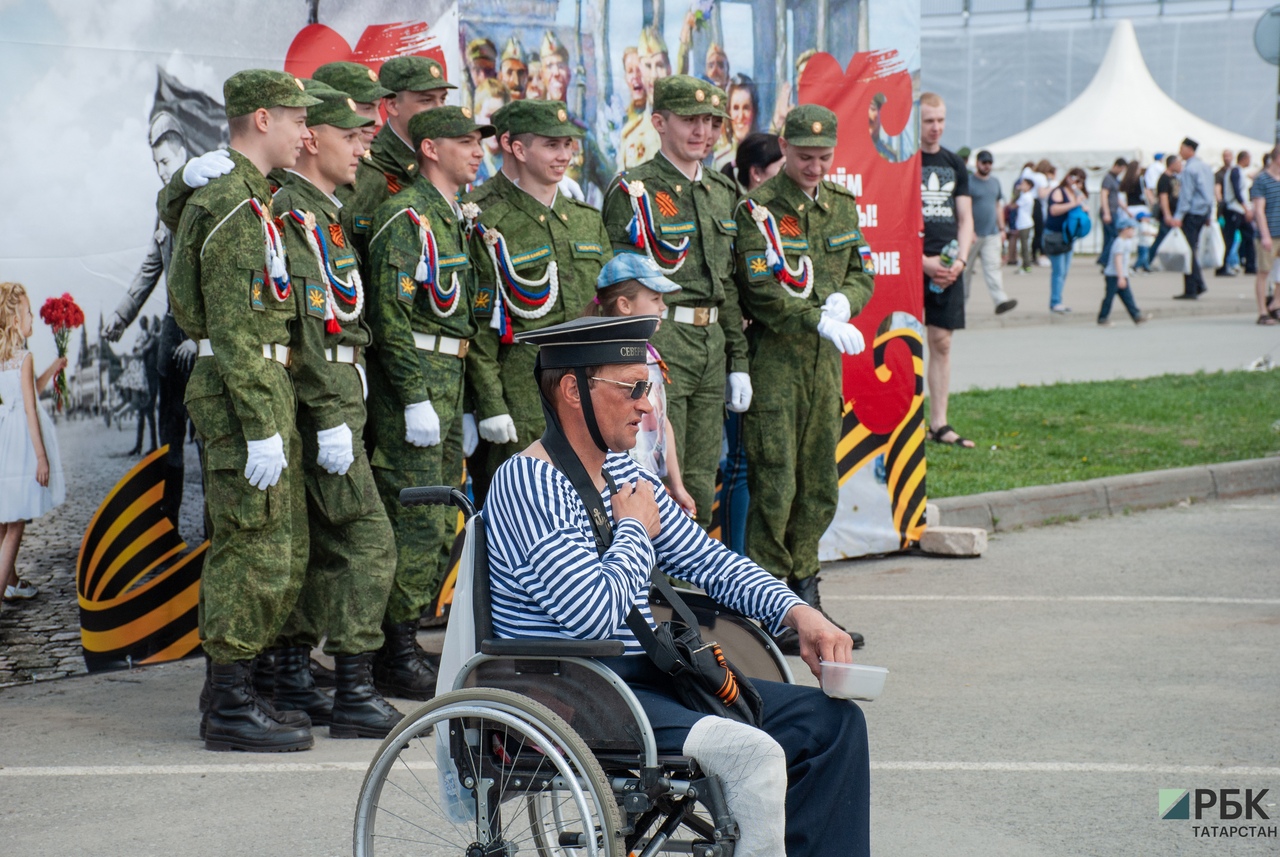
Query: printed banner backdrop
point(106, 100)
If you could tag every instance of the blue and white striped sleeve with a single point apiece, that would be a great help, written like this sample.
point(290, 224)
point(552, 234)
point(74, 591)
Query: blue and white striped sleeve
point(686, 552)
point(587, 595)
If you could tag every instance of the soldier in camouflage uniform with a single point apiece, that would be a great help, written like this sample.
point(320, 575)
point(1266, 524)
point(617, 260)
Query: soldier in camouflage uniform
point(681, 216)
point(418, 84)
point(538, 254)
point(229, 291)
point(361, 83)
point(420, 311)
point(801, 277)
point(352, 557)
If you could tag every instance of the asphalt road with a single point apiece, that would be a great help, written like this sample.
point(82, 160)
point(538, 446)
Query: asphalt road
point(1038, 700)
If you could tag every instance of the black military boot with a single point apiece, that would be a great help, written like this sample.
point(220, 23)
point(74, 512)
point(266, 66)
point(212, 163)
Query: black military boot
point(264, 673)
point(237, 719)
point(295, 688)
point(807, 589)
point(288, 718)
point(359, 711)
point(400, 667)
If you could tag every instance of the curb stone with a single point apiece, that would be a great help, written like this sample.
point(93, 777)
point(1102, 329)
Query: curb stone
point(1001, 511)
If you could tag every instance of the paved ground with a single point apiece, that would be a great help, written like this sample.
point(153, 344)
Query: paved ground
point(1038, 700)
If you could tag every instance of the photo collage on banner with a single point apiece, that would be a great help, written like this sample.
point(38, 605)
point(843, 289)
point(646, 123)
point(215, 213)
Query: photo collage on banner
point(133, 524)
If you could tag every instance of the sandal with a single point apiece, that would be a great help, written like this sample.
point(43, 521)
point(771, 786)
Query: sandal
point(937, 435)
point(1267, 320)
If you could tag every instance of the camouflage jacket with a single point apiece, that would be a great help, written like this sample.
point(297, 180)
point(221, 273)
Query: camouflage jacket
point(386, 169)
point(318, 399)
point(569, 233)
point(398, 304)
point(825, 230)
point(701, 211)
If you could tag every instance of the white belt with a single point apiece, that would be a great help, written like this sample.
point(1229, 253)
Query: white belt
point(278, 353)
point(441, 344)
point(698, 316)
point(341, 354)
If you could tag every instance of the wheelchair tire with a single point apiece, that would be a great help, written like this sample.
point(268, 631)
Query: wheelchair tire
point(544, 779)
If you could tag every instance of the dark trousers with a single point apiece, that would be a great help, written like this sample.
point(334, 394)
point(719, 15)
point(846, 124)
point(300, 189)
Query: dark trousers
point(734, 496)
point(1126, 298)
point(1155, 245)
point(1193, 283)
point(1108, 238)
point(1235, 224)
point(825, 741)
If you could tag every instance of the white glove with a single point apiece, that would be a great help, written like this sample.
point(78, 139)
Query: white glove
point(364, 381)
point(846, 337)
point(421, 425)
point(737, 391)
point(265, 462)
point(470, 437)
point(572, 189)
point(837, 306)
point(210, 165)
point(336, 450)
point(499, 429)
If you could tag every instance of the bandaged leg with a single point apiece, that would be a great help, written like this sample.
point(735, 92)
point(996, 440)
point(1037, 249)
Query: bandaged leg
point(753, 769)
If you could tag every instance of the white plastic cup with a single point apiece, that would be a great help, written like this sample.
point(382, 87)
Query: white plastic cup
point(852, 681)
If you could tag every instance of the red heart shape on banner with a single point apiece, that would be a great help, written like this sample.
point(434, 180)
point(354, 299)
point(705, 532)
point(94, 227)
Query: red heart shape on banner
point(317, 44)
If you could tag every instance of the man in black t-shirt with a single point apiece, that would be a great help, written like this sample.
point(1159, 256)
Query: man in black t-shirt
point(948, 216)
point(1166, 199)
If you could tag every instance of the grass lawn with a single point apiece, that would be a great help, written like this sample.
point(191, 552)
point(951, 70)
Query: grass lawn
point(1066, 432)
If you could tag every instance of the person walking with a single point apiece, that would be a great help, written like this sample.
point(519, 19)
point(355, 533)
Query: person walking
point(1109, 207)
point(1238, 229)
point(1024, 222)
point(1195, 206)
point(1068, 195)
point(948, 219)
point(1166, 199)
point(1265, 198)
point(988, 229)
point(1117, 273)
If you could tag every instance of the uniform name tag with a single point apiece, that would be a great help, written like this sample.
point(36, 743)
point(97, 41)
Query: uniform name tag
point(362, 223)
point(835, 242)
point(342, 263)
point(453, 261)
point(795, 244)
point(315, 300)
point(730, 226)
point(518, 259)
point(587, 247)
point(757, 266)
point(405, 287)
point(678, 228)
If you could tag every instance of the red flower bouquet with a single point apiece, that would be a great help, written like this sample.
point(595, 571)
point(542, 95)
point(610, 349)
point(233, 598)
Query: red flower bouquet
point(64, 316)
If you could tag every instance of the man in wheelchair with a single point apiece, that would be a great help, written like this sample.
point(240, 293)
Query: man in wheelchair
point(797, 785)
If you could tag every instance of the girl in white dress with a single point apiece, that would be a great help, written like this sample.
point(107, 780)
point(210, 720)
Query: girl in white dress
point(31, 480)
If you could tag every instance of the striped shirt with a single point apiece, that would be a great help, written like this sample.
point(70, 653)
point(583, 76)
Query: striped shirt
point(546, 579)
point(1268, 188)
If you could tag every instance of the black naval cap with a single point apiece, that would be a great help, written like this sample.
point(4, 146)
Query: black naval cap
point(592, 341)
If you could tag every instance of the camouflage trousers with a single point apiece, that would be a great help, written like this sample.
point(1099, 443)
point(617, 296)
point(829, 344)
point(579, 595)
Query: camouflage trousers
point(790, 433)
point(257, 557)
point(353, 553)
point(423, 534)
point(695, 405)
point(524, 405)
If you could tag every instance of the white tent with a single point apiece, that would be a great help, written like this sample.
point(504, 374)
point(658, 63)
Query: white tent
point(1123, 112)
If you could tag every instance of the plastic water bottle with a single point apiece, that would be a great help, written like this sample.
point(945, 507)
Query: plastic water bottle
point(948, 258)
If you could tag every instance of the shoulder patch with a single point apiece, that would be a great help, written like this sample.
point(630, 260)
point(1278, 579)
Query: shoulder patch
point(255, 293)
point(362, 222)
point(315, 300)
point(406, 288)
point(730, 226)
point(483, 304)
point(757, 266)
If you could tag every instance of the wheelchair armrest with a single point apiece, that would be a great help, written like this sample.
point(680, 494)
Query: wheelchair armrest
point(554, 648)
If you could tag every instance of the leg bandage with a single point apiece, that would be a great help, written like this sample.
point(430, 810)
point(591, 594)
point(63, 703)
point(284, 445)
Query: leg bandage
point(753, 769)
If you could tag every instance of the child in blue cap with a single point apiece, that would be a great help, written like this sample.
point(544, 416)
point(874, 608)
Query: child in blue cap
point(631, 284)
point(1117, 272)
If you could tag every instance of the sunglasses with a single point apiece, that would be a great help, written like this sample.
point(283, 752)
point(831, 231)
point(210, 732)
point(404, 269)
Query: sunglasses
point(639, 389)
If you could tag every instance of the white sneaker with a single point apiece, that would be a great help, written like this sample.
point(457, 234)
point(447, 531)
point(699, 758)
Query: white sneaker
point(1044, 262)
point(1060, 309)
point(23, 591)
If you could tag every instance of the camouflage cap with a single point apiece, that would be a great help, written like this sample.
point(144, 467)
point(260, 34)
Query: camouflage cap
point(686, 96)
point(544, 118)
point(810, 125)
point(336, 108)
point(413, 74)
point(445, 121)
point(260, 88)
point(499, 119)
point(719, 102)
point(358, 81)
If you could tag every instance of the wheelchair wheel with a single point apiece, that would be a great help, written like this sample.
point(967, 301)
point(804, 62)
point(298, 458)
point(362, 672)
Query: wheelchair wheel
point(518, 780)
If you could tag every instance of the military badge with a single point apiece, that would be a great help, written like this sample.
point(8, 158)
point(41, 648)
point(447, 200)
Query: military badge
point(466, 112)
point(699, 96)
point(757, 266)
point(562, 116)
point(666, 204)
point(255, 293)
point(435, 71)
point(315, 300)
point(789, 226)
point(373, 75)
point(393, 186)
point(351, 103)
point(817, 127)
point(406, 288)
point(335, 235)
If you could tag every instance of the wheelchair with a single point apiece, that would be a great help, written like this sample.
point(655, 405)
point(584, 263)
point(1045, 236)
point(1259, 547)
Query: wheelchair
point(539, 748)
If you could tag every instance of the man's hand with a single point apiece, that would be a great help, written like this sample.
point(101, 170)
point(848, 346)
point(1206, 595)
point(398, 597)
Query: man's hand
point(1266, 242)
point(1122, 282)
point(636, 501)
point(737, 392)
point(941, 276)
point(114, 329)
point(336, 451)
point(185, 354)
point(499, 429)
point(820, 640)
point(210, 165)
point(1175, 223)
point(421, 424)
